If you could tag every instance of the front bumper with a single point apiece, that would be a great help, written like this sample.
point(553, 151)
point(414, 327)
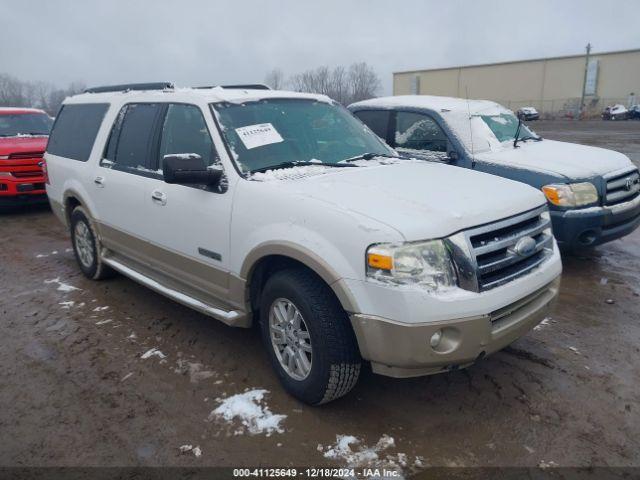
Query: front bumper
point(402, 350)
point(20, 200)
point(593, 226)
point(22, 191)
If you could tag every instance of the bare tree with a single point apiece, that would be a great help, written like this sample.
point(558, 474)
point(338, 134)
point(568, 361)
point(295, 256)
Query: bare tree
point(363, 82)
point(275, 79)
point(18, 93)
point(356, 83)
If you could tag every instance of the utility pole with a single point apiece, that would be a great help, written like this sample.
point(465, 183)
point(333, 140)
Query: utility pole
point(584, 81)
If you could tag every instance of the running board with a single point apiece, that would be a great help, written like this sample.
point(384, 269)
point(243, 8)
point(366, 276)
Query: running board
point(232, 317)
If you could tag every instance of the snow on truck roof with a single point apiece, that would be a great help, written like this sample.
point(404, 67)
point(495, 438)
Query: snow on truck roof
point(433, 102)
point(19, 110)
point(208, 95)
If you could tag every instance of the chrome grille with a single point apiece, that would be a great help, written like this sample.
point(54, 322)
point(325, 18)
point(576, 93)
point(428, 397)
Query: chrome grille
point(622, 187)
point(494, 254)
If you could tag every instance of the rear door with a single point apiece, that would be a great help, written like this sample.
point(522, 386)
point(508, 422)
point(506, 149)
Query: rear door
point(119, 182)
point(188, 225)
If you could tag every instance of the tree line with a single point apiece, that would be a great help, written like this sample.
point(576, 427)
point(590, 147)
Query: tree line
point(19, 93)
point(344, 84)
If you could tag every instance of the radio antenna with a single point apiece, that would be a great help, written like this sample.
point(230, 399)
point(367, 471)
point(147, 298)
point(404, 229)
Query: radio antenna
point(473, 156)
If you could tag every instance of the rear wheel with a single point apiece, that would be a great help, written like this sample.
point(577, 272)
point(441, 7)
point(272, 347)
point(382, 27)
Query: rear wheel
point(308, 336)
point(86, 246)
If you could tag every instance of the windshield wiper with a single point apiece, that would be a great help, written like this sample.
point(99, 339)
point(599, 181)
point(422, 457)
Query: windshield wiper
point(368, 156)
point(280, 166)
point(515, 140)
point(530, 137)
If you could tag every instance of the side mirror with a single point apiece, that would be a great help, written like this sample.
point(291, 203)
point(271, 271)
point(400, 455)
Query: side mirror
point(453, 156)
point(189, 169)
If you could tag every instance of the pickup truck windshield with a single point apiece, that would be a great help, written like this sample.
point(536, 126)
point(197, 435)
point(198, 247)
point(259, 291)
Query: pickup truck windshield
point(277, 131)
point(13, 125)
point(504, 127)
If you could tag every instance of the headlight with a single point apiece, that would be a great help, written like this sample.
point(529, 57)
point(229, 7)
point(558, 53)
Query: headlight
point(572, 194)
point(426, 264)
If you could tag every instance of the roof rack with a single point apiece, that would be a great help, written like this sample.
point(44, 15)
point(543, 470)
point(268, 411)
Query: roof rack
point(130, 86)
point(248, 86)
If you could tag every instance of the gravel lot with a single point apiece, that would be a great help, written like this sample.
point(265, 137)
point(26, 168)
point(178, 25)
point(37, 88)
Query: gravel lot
point(74, 390)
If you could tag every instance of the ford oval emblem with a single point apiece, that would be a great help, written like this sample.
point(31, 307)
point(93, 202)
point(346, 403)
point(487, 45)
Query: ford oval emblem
point(525, 246)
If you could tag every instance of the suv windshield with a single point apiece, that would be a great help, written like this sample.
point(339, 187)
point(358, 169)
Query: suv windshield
point(272, 132)
point(13, 125)
point(505, 125)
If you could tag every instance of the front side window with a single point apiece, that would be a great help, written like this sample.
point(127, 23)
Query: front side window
point(75, 130)
point(185, 131)
point(131, 142)
point(270, 132)
point(504, 127)
point(25, 124)
point(415, 131)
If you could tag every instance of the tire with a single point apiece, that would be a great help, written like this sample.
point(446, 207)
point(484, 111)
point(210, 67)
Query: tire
point(85, 241)
point(334, 356)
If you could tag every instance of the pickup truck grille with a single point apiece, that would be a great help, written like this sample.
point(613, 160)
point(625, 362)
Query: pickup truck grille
point(494, 254)
point(622, 187)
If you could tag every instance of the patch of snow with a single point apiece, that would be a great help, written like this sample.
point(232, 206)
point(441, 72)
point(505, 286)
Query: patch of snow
point(102, 322)
point(251, 411)
point(575, 350)
point(154, 352)
point(351, 451)
point(194, 369)
point(545, 322)
point(63, 287)
point(126, 376)
point(41, 255)
point(67, 305)
point(100, 309)
point(190, 448)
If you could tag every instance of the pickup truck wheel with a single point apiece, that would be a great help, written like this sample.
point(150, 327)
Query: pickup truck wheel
point(86, 246)
point(308, 336)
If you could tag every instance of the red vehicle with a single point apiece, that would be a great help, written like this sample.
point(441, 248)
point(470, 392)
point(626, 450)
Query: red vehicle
point(23, 140)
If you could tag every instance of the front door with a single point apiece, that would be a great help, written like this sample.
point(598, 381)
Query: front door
point(187, 225)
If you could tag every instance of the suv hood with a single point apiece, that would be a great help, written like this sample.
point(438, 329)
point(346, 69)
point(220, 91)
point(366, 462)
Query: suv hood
point(421, 200)
point(573, 161)
point(9, 145)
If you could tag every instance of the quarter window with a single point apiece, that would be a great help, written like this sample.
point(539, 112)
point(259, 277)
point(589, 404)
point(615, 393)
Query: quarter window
point(415, 131)
point(185, 131)
point(75, 130)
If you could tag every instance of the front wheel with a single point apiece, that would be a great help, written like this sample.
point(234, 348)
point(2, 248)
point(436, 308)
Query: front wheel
point(308, 336)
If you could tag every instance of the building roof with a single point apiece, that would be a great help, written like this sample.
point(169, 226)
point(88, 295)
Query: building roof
point(491, 64)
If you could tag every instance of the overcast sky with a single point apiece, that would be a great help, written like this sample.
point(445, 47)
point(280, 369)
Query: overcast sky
point(203, 42)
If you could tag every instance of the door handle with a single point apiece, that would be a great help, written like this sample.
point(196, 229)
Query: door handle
point(159, 197)
point(99, 181)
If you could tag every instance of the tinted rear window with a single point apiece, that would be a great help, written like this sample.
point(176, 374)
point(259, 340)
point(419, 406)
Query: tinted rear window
point(135, 136)
point(75, 130)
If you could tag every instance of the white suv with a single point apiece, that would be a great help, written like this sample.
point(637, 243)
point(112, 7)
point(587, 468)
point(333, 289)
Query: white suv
point(250, 204)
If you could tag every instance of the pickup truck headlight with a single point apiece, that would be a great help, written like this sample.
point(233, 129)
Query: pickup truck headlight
point(426, 264)
point(572, 194)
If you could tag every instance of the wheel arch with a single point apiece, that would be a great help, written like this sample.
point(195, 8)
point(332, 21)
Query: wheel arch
point(268, 258)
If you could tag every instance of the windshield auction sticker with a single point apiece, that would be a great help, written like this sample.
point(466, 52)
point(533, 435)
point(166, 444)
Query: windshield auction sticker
point(258, 135)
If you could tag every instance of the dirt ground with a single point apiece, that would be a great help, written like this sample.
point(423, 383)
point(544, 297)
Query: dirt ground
point(74, 390)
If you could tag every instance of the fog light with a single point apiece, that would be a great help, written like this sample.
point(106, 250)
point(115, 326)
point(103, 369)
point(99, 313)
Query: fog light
point(435, 339)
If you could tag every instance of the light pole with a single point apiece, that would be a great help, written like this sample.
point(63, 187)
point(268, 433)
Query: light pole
point(584, 81)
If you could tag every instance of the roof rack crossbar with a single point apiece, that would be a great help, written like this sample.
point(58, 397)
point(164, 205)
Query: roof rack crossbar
point(247, 86)
point(130, 86)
